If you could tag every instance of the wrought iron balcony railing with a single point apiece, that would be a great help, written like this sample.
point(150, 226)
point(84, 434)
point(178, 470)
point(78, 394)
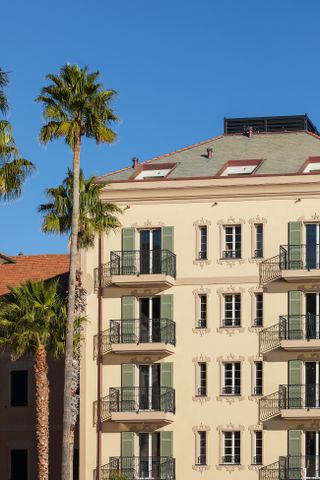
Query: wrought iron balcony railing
point(202, 323)
point(231, 459)
point(136, 399)
point(292, 468)
point(258, 322)
point(299, 257)
point(290, 327)
point(257, 460)
point(299, 396)
point(269, 406)
point(143, 262)
point(269, 269)
point(231, 253)
point(228, 390)
point(202, 255)
point(202, 460)
point(231, 322)
point(258, 253)
point(134, 468)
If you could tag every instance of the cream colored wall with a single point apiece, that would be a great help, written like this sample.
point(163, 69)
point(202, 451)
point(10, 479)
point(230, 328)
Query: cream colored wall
point(216, 345)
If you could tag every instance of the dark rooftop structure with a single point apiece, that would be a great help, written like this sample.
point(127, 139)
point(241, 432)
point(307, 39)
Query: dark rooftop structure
point(288, 123)
point(282, 145)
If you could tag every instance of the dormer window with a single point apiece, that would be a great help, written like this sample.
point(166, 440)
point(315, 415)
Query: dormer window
point(239, 168)
point(311, 166)
point(149, 172)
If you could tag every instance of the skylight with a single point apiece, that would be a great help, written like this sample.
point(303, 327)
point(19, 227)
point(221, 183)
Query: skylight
point(238, 167)
point(156, 173)
point(312, 167)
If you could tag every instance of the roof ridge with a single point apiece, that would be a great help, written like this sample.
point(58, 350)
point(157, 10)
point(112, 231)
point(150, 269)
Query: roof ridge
point(165, 155)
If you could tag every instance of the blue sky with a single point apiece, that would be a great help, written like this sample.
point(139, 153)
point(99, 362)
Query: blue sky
point(179, 67)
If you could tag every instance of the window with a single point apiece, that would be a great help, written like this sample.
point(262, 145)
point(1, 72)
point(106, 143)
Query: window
point(258, 378)
point(19, 465)
point(154, 173)
point(202, 448)
point(231, 378)
point(19, 388)
point(231, 448)
point(202, 321)
point(312, 166)
point(232, 235)
point(232, 310)
point(258, 252)
point(258, 318)
point(257, 457)
point(203, 254)
point(202, 379)
point(239, 167)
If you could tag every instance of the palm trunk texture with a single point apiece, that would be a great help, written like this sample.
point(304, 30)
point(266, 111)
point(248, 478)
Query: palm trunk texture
point(67, 414)
point(42, 412)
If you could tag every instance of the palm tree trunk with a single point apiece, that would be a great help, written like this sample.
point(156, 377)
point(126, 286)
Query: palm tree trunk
point(67, 415)
point(42, 412)
point(71, 452)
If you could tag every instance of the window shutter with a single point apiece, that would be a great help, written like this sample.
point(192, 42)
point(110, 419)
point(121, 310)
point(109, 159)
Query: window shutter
point(127, 315)
point(127, 375)
point(166, 449)
point(294, 452)
point(294, 383)
point(127, 449)
point(294, 312)
point(167, 238)
point(128, 239)
point(294, 242)
point(166, 375)
point(166, 306)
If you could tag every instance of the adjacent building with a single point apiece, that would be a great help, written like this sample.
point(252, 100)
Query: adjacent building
point(18, 454)
point(202, 354)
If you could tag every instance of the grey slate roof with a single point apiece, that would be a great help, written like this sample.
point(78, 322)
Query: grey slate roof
point(281, 153)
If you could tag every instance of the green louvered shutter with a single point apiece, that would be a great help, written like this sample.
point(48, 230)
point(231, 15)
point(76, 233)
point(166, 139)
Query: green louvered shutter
point(294, 454)
point(167, 395)
point(127, 453)
point(294, 260)
point(128, 263)
point(128, 334)
point(127, 384)
point(166, 448)
point(294, 395)
point(166, 324)
point(294, 315)
point(167, 238)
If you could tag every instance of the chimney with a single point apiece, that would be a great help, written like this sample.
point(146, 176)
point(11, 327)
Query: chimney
point(250, 132)
point(20, 254)
point(135, 161)
point(209, 152)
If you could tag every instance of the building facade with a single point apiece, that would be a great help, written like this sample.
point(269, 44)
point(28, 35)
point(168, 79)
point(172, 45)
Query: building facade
point(18, 454)
point(204, 335)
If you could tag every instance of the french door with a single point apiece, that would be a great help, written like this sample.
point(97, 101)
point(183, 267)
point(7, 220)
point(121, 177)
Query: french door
point(149, 455)
point(149, 387)
point(312, 453)
point(312, 245)
point(312, 382)
point(150, 251)
point(150, 320)
point(312, 309)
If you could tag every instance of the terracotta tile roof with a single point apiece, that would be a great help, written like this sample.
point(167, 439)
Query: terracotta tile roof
point(32, 267)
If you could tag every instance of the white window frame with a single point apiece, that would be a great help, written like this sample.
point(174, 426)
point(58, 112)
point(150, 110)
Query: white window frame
point(258, 378)
point(233, 321)
point(258, 447)
point(234, 437)
point(233, 389)
point(202, 447)
point(202, 379)
point(258, 307)
point(256, 250)
point(231, 240)
point(203, 310)
point(203, 242)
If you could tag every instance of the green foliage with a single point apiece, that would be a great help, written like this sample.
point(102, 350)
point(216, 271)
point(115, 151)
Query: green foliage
point(95, 216)
point(117, 476)
point(33, 315)
point(13, 169)
point(76, 105)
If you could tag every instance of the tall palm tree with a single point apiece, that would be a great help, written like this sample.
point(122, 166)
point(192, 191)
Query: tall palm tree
point(13, 169)
point(33, 321)
point(95, 218)
point(75, 105)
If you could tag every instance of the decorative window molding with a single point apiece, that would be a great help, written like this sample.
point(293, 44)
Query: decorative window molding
point(230, 221)
point(196, 293)
point(229, 428)
point(228, 359)
point(148, 224)
point(200, 398)
point(252, 429)
point(252, 291)
point(253, 222)
point(314, 218)
point(221, 292)
point(197, 224)
point(253, 360)
point(196, 429)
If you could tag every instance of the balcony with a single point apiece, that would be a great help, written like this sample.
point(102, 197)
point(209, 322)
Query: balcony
point(293, 402)
point(140, 268)
point(139, 336)
point(292, 468)
point(138, 404)
point(132, 468)
point(292, 333)
point(294, 263)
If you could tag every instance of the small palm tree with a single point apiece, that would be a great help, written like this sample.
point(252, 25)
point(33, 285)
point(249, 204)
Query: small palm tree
point(75, 105)
point(95, 216)
point(33, 321)
point(13, 169)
